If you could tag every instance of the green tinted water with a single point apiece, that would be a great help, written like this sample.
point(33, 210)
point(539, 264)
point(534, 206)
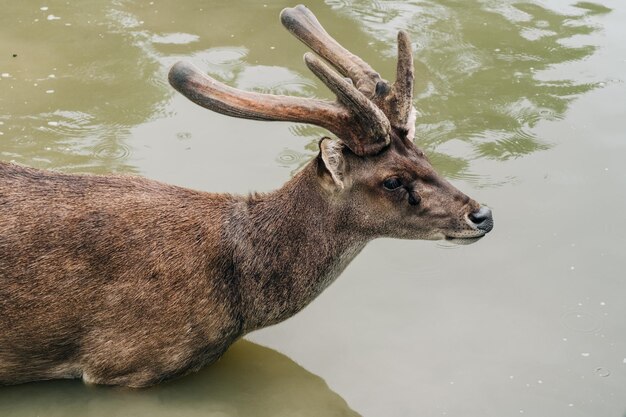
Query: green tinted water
point(521, 105)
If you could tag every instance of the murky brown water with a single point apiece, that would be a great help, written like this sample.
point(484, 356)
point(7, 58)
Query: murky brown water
point(250, 380)
point(522, 105)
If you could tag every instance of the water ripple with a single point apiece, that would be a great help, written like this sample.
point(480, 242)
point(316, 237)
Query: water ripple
point(224, 63)
point(68, 124)
point(275, 80)
point(581, 321)
point(111, 151)
point(289, 158)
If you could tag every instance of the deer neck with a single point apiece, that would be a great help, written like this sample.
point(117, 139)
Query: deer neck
point(289, 246)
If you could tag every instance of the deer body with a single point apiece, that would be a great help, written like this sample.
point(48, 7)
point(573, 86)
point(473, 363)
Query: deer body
point(126, 281)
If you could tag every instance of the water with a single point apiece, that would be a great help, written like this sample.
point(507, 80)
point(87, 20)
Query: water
point(521, 106)
point(250, 380)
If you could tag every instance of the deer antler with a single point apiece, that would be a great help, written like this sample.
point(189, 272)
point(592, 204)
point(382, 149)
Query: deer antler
point(353, 117)
point(395, 100)
point(364, 112)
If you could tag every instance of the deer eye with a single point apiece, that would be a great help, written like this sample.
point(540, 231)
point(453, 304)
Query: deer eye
point(392, 183)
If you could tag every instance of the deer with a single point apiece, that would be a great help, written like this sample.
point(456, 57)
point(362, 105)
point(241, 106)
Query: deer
point(123, 280)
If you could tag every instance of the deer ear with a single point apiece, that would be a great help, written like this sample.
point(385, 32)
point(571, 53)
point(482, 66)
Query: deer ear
point(332, 165)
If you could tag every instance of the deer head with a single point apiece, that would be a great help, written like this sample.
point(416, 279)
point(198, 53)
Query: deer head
point(374, 175)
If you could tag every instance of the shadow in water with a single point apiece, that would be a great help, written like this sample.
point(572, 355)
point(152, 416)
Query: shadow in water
point(250, 380)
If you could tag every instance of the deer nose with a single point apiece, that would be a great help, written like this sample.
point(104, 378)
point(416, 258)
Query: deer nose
point(482, 219)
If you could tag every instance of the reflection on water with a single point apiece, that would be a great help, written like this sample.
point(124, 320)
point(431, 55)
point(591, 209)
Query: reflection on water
point(478, 71)
point(84, 78)
point(79, 83)
point(250, 380)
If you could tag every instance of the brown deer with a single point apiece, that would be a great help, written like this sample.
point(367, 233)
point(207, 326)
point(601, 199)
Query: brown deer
point(122, 280)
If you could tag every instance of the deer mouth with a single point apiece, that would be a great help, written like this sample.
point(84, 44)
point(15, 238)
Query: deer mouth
point(465, 237)
point(465, 240)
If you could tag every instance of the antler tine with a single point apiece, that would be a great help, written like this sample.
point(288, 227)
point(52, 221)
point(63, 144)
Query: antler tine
point(371, 120)
point(303, 24)
point(356, 121)
point(400, 100)
point(395, 101)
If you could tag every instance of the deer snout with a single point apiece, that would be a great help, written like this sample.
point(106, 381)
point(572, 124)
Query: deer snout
point(482, 219)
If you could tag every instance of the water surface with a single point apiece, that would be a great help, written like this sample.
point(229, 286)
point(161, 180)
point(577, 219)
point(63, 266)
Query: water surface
point(521, 105)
